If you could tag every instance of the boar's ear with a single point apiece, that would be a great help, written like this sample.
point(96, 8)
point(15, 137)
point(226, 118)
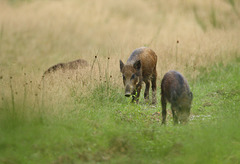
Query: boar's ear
point(121, 65)
point(137, 65)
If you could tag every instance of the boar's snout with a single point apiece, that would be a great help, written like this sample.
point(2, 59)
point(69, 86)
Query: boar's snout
point(183, 117)
point(128, 91)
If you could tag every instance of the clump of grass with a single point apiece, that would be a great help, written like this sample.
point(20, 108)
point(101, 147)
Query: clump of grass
point(213, 18)
point(233, 4)
point(199, 20)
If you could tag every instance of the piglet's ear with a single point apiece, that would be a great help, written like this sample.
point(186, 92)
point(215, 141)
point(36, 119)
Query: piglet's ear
point(137, 65)
point(121, 65)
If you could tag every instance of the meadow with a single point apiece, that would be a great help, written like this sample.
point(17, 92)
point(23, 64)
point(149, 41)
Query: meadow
point(83, 116)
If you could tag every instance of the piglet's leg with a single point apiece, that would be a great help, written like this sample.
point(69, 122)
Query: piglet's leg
point(146, 93)
point(164, 110)
point(174, 113)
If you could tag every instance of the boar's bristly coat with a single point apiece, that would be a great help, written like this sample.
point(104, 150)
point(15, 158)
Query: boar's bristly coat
point(175, 90)
point(73, 65)
point(140, 66)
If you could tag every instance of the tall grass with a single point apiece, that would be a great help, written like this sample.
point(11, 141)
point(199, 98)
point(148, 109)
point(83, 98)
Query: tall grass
point(213, 18)
point(71, 31)
point(234, 6)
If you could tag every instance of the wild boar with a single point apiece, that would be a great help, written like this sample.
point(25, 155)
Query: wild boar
point(175, 90)
point(73, 65)
point(140, 66)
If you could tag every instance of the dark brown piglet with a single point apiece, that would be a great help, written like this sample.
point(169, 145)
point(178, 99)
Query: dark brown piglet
point(140, 66)
point(175, 90)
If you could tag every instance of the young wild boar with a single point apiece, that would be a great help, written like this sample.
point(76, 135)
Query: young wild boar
point(73, 65)
point(140, 66)
point(175, 90)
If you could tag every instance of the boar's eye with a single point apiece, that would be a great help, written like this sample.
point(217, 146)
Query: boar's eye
point(133, 76)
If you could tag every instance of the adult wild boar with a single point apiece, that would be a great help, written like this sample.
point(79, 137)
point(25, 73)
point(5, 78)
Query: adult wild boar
point(73, 65)
point(175, 90)
point(140, 66)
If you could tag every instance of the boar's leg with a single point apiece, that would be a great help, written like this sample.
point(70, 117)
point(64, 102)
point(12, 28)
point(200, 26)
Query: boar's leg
point(154, 89)
point(164, 112)
point(138, 93)
point(174, 113)
point(146, 93)
point(135, 97)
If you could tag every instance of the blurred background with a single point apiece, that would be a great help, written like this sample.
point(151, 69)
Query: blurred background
point(36, 34)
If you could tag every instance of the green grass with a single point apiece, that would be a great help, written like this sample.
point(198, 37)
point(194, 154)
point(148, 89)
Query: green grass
point(106, 127)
